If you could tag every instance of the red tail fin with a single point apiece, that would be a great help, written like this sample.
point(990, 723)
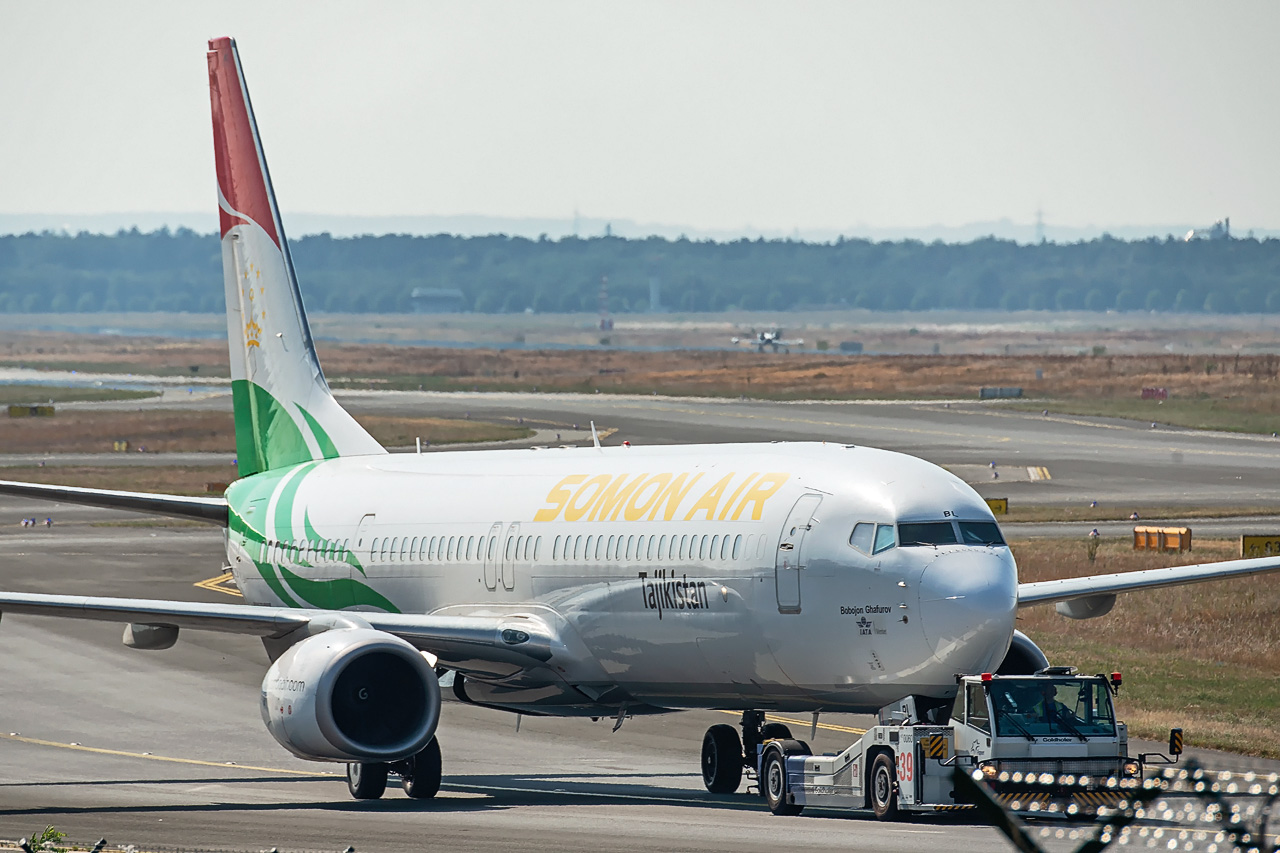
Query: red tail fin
point(244, 187)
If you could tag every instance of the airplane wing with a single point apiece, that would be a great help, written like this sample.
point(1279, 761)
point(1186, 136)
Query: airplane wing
point(201, 509)
point(511, 638)
point(1049, 592)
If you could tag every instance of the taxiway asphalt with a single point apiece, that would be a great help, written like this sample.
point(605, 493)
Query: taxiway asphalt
point(166, 749)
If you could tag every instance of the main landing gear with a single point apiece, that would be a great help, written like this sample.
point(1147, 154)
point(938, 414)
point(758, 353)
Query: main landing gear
point(725, 756)
point(419, 775)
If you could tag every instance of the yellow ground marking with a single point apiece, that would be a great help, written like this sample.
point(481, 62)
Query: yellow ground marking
point(216, 585)
point(830, 727)
point(223, 764)
point(1038, 472)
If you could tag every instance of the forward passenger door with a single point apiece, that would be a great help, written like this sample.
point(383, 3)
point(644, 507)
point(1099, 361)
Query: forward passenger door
point(790, 561)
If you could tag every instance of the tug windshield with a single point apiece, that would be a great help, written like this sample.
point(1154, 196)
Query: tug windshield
point(1062, 707)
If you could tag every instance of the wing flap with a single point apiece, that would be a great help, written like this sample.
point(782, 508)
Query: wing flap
point(1049, 592)
point(202, 509)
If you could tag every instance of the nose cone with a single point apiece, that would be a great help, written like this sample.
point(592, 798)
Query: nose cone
point(968, 601)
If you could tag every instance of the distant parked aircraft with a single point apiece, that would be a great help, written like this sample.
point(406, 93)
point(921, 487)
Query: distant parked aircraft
point(769, 338)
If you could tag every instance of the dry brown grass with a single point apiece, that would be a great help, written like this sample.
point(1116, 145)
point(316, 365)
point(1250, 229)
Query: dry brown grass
point(739, 371)
point(1228, 622)
point(159, 479)
point(170, 431)
point(1203, 657)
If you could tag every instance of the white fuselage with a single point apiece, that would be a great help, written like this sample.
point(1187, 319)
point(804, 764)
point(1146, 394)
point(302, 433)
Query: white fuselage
point(674, 577)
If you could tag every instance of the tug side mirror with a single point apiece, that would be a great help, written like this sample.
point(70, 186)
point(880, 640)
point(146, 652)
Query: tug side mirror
point(1175, 741)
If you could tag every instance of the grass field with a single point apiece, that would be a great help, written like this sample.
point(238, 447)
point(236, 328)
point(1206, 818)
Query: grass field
point(31, 395)
point(174, 431)
point(1204, 657)
point(1240, 413)
point(1146, 513)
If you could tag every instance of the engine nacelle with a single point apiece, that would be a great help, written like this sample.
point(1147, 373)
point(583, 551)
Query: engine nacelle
point(1023, 658)
point(351, 694)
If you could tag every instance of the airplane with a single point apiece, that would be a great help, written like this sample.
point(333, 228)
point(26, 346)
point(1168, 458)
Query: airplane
point(591, 582)
point(769, 338)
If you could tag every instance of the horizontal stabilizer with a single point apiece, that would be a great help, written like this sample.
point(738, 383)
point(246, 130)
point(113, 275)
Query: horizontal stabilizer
point(202, 509)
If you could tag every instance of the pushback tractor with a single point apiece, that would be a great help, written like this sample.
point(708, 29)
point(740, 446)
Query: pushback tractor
point(1047, 744)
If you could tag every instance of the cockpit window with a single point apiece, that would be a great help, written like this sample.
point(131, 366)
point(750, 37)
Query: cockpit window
point(884, 538)
point(862, 536)
point(980, 533)
point(927, 533)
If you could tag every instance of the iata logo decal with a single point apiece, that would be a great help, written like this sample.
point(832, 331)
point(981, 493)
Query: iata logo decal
point(660, 497)
point(252, 334)
point(663, 593)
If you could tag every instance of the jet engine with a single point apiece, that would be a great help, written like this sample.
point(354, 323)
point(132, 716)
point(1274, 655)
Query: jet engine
point(351, 694)
point(1023, 658)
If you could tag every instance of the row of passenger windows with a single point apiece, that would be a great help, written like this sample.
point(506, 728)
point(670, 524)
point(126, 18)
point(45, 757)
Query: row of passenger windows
point(875, 538)
point(657, 548)
point(309, 551)
point(448, 549)
point(567, 548)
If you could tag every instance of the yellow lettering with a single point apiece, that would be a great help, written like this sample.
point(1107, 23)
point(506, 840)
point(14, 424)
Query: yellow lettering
point(707, 503)
point(733, 497)
point(612, 498)
point(672, 496)
point(637, 507)
point(764, 489)
point(557, 497)
point(577, 507)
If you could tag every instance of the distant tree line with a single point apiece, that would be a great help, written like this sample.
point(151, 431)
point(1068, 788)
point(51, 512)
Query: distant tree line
point(181, 271)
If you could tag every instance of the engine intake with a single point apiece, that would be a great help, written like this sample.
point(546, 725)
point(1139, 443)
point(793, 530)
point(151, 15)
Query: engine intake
point(351, 694)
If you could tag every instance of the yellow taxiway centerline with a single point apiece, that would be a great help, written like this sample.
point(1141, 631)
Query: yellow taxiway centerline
point(830, 727)
point(223, 764)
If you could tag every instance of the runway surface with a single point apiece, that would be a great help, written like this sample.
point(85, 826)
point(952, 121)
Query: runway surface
point(166, 749)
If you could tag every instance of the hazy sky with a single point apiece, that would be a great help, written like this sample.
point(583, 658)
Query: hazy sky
point(712, 114)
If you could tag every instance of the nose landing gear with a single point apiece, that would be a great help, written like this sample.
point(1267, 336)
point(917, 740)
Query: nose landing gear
point(726, 757)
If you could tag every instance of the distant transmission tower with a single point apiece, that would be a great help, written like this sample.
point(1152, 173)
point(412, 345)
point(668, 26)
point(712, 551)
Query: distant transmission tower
point(1039, 225)
point(606, 322)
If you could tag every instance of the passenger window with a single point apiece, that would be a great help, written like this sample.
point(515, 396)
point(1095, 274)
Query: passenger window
point(715, 543)
point(662, 546)
point(977, 708)
point(555, 549)
point(737, 546)
point(863, 536)
point(373, 550)
point(537, 548)
point(528, 543)
point(590, 541)
point(631, 542)
point(382, 555)
point(453, 542)
point(404, 547)
point(511, 544)
point(885, 538)
point(724, 548)
point(413, 549)
point(431, 550)
point(702, 548)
